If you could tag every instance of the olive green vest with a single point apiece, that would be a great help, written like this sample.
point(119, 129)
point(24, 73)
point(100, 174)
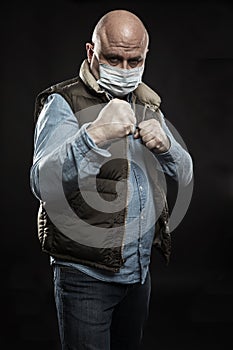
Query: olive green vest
point(82, 93)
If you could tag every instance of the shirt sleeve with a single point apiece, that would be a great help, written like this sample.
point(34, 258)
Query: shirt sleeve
point(62, 149)
point(176, 162)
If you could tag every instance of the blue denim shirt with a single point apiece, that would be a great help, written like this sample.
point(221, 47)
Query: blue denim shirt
point(56, 116)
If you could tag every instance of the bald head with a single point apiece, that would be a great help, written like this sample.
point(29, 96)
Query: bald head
point(119, 39)
point(121, 25)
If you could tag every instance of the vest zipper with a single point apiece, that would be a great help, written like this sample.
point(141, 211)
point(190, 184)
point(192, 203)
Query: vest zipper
point(127, 197)
point(127, 189)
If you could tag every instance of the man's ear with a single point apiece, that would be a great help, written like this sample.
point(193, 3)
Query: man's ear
point(90, 51)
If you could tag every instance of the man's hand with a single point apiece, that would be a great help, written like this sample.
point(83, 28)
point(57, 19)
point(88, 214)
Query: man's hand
point(153, 136)
point(115, 120)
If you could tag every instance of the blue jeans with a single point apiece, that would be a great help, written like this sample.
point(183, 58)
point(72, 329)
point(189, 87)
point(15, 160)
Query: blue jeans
point(97, 315)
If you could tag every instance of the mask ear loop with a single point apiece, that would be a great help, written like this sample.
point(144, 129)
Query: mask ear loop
point(133, 106)
point(143, 115)
point(144, 112)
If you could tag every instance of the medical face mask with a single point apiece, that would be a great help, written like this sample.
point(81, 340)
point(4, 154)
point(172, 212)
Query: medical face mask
point(119, 82)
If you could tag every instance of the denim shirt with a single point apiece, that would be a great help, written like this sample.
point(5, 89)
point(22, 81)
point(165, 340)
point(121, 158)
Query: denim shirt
point(57, 115)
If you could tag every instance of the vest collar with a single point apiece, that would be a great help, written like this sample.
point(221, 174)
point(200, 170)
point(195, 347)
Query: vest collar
point(88, 78)
point(143, 92)
point(147, 96)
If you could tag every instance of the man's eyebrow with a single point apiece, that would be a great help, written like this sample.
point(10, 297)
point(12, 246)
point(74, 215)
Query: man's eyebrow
point(111, 55)
point(136, 58)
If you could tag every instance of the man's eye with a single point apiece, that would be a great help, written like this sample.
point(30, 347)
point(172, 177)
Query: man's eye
point(113, 60)
point(133, 63)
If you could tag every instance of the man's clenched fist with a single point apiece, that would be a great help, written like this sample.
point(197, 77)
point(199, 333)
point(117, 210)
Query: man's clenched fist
point(153, 136)
point(115, 120)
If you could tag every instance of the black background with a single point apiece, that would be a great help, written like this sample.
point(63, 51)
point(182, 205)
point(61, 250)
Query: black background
point(190, 65)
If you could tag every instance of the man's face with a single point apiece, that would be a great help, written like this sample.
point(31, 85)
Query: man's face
point(119, 52)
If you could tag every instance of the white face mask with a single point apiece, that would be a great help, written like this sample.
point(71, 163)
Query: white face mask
point(119, 81)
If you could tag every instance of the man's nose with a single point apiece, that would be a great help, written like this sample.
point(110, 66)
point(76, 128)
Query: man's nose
point(125, 64)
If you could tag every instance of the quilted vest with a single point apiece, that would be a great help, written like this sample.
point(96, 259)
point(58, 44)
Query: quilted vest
point(82, 93)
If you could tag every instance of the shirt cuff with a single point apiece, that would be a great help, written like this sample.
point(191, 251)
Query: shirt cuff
point(87, 143)
point(172, 155)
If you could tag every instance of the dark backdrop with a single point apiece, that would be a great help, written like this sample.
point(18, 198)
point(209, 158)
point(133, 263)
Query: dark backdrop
point(190, 65)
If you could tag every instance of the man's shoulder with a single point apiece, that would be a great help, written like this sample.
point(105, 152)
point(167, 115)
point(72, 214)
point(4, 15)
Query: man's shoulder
point(61, 86)
point(64, 88)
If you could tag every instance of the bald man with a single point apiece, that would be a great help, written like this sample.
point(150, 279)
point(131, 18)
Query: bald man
point(101, 150)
